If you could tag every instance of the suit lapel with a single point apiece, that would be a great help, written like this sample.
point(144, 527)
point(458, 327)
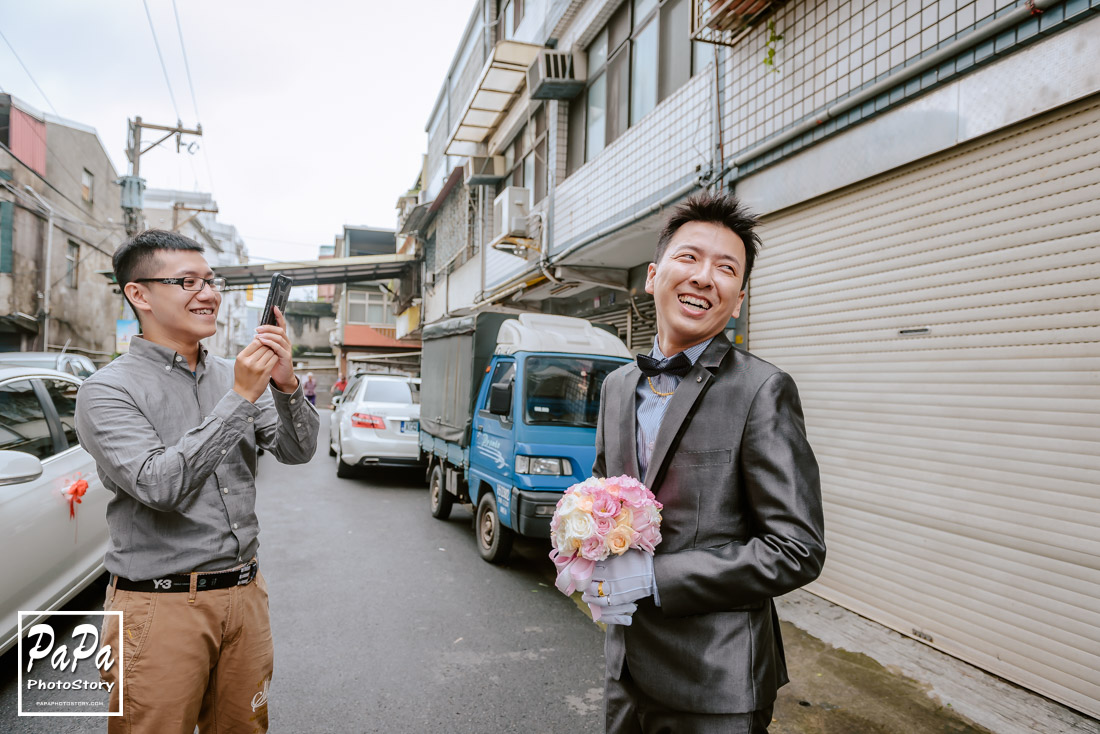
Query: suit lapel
point(681, 405)
point(628, 422)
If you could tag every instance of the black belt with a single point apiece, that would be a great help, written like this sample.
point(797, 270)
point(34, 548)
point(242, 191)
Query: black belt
point(182, 581)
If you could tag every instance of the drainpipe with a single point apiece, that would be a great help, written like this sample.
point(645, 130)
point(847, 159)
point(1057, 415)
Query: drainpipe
point(928, 62)
point(49, 252)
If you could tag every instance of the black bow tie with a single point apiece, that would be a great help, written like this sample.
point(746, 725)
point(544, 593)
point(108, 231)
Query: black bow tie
point(679, 365)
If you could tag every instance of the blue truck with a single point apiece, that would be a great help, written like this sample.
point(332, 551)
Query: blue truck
point(508, 409)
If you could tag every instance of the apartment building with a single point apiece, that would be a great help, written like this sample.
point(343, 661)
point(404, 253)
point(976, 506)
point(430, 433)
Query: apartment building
point(59, 225)
point(927, 174)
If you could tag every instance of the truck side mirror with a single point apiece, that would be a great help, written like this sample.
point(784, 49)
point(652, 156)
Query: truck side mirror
point(500, 398)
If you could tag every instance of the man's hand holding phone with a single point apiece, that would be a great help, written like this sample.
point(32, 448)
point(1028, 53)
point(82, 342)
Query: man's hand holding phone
point(275, 339)
point(252, 370)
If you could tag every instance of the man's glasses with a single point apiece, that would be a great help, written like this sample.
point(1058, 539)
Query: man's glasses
point(188, 284)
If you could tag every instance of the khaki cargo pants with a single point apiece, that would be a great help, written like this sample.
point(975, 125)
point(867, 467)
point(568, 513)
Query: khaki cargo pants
point(203, 657)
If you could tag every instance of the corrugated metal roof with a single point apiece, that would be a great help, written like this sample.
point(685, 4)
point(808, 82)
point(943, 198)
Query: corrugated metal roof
point(314, 272)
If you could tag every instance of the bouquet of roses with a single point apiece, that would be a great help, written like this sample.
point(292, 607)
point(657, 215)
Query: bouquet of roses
point(599, 518)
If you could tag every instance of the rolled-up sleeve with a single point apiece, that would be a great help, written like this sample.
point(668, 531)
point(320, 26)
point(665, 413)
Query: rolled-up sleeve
point(289, 425)
point(128, 450)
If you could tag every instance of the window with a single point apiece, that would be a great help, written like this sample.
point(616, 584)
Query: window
point(387, 391)
point(508, 21)
point(23, 425)
point(87, 186)
point(525, 158)
point(72, 261)
point(643, 55)
point(370, 307)
point(565, 391)
point(511, 15)
point(643, 80)
point(502, 375)
point(63, 395)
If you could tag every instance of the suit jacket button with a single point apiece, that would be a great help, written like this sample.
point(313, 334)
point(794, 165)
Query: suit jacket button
point(698, 379)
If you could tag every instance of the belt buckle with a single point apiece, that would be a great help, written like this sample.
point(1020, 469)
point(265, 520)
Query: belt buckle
point(247, 574)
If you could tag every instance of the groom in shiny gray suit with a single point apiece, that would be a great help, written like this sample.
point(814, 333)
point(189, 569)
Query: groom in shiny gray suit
point(693, 641)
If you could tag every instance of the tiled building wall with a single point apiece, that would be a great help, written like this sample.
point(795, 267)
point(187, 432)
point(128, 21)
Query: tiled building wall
point(659, 152)
point(830, 50)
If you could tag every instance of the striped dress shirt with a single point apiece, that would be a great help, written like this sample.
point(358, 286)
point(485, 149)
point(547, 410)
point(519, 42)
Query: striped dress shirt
point(651, 407)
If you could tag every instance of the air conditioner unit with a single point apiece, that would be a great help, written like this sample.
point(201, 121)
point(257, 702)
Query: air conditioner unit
point(510, 211)
point(556, 75)
point(484, 170)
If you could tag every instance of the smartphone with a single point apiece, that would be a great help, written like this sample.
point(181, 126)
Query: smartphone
point(278, 295)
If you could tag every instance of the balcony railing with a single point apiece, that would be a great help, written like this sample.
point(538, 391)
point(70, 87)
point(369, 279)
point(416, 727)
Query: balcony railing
point(726, 22)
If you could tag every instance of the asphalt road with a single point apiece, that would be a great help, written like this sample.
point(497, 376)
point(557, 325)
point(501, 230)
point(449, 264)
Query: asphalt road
point(386, 620)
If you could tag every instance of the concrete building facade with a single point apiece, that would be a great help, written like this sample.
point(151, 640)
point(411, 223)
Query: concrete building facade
point(59, 225)
point(926, 173)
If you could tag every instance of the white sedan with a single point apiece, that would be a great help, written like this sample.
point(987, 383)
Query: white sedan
point(53, 526)
point(376, 423)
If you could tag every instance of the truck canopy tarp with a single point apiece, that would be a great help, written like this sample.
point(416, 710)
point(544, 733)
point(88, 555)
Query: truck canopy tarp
point(454, 356)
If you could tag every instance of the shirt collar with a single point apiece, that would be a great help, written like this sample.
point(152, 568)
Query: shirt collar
point(142, 347)
point(692, 353)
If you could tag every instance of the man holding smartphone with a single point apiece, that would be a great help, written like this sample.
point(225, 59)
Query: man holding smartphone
point(174, 432)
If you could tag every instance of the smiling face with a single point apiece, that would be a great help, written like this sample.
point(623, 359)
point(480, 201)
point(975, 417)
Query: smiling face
point(696, 285)
point(169, 314)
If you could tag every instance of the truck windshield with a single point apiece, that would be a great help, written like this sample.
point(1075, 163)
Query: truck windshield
point(564, 390)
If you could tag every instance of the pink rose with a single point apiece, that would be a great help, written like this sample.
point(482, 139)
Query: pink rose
point(632, 492)
point(605, 506)
point(593, 548)
point(604, 525)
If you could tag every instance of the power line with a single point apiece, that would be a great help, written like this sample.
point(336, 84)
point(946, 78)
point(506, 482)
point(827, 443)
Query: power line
point(29, 74)
point(194, 98)
point(163, 68)
point(186, 65)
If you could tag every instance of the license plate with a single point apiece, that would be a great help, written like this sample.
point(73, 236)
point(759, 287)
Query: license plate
point(410, 426)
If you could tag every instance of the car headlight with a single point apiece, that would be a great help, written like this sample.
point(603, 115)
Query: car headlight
point(544, 465)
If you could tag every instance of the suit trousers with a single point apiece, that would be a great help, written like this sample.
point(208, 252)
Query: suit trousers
point(630, 711)
point(191, 658)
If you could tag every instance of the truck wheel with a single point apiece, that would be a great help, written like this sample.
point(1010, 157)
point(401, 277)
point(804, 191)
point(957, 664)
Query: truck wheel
point(441, 499)
point(494, 541)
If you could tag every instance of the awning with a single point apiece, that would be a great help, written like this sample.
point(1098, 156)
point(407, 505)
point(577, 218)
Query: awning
point(314, 272)
point(501, 79)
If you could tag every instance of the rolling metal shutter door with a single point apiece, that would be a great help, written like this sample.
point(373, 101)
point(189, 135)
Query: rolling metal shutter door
point(636, 333)
point(942, 322)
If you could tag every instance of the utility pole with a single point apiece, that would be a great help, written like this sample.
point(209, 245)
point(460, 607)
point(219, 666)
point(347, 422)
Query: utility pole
point(178, 207)
point(133, 186)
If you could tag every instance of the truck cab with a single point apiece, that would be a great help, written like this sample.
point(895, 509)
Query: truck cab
point(533, 427)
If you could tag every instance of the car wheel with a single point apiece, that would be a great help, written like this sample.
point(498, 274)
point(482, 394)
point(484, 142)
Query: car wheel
point(331, 447)
point(494, 541)
point(344, 471)
point(441, 499)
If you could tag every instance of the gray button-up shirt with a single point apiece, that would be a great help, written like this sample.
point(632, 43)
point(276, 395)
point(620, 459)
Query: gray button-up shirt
point(651, 407)
point(178, 449)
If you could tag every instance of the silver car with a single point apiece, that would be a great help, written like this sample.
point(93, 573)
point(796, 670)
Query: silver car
point(74, 364)
point(54, 545)
point(375, 423)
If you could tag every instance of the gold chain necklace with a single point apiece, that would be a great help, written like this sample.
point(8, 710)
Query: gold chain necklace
point(655, 391)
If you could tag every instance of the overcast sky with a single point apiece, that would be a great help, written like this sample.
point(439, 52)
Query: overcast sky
point(313, 116)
